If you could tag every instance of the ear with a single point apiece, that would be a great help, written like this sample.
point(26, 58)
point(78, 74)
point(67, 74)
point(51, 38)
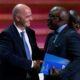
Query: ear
point(17, 18)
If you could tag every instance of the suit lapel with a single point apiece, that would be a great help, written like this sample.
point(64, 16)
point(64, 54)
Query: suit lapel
point(30, 39)
point(60, 36)
point(28, 33)
point(18, 40)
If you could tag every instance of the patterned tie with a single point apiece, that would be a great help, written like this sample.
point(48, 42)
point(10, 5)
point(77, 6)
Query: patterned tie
point(26, 46)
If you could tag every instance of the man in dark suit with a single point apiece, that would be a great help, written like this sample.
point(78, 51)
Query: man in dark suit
point(63, 42)
point(15, 63)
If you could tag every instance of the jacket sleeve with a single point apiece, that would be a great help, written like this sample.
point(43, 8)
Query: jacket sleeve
point(74, 53)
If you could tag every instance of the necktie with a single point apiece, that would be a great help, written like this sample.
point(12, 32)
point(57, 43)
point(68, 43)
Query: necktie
point(26, 46)
point(56, 36)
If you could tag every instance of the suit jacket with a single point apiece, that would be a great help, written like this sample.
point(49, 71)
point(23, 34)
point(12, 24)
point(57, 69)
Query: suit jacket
point(67, 45)
point(12, 53)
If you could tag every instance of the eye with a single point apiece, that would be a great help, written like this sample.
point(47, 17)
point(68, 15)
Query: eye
point(28, 16)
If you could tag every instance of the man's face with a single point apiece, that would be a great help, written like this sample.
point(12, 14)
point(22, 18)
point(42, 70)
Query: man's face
point(25, 17)
point(53, 22)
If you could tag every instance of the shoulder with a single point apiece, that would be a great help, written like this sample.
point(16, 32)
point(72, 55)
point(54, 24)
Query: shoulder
point(6, 32)
point(68, 31)
point(72, 34)
point(30, 30)
point(8, 28)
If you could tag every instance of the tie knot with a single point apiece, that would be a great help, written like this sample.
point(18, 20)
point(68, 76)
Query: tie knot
point(22, 34)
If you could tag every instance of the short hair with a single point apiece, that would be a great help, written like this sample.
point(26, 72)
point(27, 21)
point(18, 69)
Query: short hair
point(60, 12)
point(73, 15)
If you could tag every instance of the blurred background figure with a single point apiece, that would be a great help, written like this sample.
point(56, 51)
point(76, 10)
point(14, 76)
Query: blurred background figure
point(74, 20)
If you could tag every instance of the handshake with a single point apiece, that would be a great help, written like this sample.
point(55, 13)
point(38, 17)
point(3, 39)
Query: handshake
point(53, 72)
point(36, 64)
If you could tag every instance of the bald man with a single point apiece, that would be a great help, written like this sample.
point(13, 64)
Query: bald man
point(18, 48)
point(63, 42)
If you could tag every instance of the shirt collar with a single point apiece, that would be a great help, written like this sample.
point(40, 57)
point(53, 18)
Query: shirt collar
point(61, 28)
point(18, 29)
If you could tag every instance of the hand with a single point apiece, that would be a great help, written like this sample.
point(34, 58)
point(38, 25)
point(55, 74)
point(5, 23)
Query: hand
point(54, 71)
point(37, 63)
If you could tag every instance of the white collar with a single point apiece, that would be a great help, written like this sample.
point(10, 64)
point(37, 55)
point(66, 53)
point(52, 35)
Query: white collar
point(19, 30)
point(61, 28)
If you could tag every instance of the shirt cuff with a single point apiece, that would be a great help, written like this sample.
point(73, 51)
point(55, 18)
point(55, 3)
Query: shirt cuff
point(41, 76)
point(32, 65)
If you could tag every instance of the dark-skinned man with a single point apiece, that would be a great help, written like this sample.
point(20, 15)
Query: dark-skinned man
point(63, 42)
